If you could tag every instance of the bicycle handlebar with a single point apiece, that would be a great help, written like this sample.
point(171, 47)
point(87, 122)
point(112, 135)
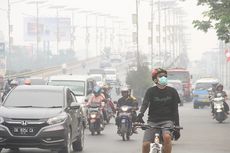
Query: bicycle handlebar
point(144, 127)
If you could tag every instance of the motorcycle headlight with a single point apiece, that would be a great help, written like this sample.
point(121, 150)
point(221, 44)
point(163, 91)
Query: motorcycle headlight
point(124, 109)
point(93, 115)
point(57, 119)
point(1, 120)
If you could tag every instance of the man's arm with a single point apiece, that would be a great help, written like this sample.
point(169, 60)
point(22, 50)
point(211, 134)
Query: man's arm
point(145, 103)
point(175, 108)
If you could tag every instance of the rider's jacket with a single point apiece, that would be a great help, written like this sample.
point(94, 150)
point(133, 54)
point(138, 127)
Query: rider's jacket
point(129, 101)
point(96, 99)
point(162, 104)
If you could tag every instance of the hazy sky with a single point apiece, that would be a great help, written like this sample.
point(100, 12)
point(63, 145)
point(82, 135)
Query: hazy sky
point(200, 42)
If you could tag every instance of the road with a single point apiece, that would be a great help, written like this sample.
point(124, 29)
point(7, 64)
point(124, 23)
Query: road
point(201, 134)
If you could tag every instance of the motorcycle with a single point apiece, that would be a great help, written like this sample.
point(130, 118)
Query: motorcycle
point(108, 110)
point(157, 145)
point(95, 118)
point(125, 122)
point(218, 105)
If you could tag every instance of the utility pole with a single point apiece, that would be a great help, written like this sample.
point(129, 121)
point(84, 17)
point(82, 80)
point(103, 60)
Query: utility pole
point(151, 33)
point(159, 22)
point(9, 34)
point(137, 29)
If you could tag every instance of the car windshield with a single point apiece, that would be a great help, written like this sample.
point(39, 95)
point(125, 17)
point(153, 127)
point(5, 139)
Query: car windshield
point(182, 76)
point(34, 98)
point(78, 87)
point(203, 86)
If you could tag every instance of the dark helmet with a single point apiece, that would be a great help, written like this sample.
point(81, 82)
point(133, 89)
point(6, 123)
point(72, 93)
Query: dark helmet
point(97, 90)
point(219, 85)
point(157, 71)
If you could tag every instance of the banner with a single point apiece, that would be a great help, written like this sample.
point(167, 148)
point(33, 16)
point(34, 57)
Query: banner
point(49, 29)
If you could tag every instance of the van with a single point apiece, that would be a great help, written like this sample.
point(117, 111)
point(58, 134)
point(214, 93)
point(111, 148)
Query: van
point(201, 93)
point(81, 85)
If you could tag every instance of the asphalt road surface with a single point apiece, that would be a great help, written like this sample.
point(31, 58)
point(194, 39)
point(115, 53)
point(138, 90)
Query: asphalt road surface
point(201, 134)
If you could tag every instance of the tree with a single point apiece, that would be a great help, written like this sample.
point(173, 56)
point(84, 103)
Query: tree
point(139, 80)
point(217, 17)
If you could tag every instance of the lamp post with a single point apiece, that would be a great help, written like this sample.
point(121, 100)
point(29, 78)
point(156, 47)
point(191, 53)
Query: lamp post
point(72, 38)
point(37, 3)
point(57, 7)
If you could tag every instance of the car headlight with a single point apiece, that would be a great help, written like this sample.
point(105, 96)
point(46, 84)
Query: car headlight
point(1, 120)
point(57, 119)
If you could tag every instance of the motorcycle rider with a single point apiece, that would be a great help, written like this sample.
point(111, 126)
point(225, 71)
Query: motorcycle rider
point(106, 91)
point(128, 101)
point(97, 97)
point(162, 102)
point(219, 89)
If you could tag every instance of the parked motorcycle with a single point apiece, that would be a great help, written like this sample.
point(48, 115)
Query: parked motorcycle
point(95, 118)
point(125, 122)
point(218, 105)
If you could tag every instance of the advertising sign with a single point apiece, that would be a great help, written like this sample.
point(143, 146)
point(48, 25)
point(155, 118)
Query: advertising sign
point(49, 29)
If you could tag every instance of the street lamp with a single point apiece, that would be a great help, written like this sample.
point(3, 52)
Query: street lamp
point(57, 7)
point(72, 38)
point(37, 3)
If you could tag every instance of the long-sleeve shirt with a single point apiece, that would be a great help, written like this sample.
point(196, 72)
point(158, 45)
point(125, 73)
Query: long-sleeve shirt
point(162, 104)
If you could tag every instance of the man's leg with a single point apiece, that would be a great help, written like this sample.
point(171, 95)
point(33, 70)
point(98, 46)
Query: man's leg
point(167, 142)
point(146, 147)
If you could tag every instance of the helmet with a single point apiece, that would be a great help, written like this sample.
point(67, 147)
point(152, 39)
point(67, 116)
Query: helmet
point(157, 71)
point(97, 90)
point(27, 82)
point(219, 86)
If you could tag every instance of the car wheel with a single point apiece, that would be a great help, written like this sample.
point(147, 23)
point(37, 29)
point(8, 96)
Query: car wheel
point(67, 149)
point(79, 144)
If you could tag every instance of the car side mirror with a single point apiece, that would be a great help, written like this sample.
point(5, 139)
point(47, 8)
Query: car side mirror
point(74, 105)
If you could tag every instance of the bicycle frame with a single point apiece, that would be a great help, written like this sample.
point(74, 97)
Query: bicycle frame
point(157, 145)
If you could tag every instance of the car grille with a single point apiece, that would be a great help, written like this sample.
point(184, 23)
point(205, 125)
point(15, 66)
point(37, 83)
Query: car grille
point(24, 127)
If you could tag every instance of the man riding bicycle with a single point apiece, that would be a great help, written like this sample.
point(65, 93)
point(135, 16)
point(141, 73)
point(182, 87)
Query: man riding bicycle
point(162, 102)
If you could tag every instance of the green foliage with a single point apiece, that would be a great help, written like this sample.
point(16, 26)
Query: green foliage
point(139, 80)
point(217, 17)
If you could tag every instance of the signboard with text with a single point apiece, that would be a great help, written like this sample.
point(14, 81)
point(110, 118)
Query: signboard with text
point(48, 29)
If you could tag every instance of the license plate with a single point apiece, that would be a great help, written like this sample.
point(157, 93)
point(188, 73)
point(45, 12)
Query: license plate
point(23, 130)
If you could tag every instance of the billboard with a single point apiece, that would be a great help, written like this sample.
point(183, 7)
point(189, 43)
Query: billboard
point(49, 29)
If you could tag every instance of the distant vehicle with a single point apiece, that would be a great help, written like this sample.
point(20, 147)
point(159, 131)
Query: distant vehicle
point(99, 78)
point(178, 85)
point(41, 116)
point(111, 76)
point(201, 93)
point(184, 76)
point(96, 71)
point(105, 64)
point(37, 80)
point(115, 58)
point(81, 85)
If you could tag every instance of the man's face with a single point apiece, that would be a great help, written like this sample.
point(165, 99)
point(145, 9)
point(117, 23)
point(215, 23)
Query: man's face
point(161, 75)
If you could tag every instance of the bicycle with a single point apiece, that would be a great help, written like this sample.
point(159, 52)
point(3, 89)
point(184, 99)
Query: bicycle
point(157, 145)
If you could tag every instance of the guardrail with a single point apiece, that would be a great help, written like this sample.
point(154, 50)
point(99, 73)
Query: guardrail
point(50, 70)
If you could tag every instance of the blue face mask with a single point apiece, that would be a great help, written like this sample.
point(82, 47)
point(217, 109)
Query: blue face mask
point(163, 81)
